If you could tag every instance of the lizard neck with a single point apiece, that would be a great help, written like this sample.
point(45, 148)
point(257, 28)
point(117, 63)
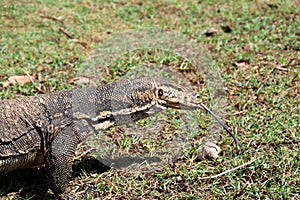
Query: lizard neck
point(113, 104)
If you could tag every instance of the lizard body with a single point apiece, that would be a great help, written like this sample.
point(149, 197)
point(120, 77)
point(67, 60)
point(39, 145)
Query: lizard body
point(46, 129)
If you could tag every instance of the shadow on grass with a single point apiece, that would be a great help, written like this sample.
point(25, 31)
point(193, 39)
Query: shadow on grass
point(32, 183)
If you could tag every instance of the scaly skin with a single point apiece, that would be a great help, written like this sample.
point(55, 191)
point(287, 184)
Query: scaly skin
point(46, 129)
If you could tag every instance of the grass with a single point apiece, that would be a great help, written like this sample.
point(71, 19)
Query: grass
point(255, 46)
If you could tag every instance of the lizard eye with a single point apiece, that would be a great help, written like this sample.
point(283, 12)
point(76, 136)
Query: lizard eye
point(160, 92)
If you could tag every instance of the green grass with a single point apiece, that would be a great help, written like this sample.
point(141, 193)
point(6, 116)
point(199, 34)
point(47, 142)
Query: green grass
point(259, 61)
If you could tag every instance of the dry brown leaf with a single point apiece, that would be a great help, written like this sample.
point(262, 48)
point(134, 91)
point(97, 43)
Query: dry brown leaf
point(83, 80)
point(18, 79)
point(242, 64)
point(209, 32)
point(227, 28)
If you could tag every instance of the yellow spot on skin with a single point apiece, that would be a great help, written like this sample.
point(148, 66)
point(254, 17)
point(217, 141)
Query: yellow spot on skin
point(79, 115)
point(57, 115)
point(104, 125)
point(102, 115)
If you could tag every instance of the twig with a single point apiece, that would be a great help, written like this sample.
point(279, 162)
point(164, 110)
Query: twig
point(61, 29)
point(65, 32)
point(84, 44)
point(53, 18)
point(33, 83)
point(228, 171)
point(30, 77)
point(282, 69)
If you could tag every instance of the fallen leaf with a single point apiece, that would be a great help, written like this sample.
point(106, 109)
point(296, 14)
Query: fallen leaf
point(83, 80)
point(209, 32)
point(242, 63)
point(18, 79)
point(227, 28)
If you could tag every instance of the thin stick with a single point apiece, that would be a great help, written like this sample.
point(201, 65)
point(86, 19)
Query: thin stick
point(223, 125)
point(33, 83)
point(65, 32)
point(28, 75)
point(53, 18)
point(228, 171)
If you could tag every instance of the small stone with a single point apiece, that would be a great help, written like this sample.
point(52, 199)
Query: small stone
point(178, 178)
point(210, 150)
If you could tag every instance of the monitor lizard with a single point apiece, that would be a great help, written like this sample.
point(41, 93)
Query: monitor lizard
point(45, 129)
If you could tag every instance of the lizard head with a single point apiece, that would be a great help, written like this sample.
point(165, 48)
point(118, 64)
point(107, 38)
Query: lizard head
point(171, 95)
point(154, 94)
point(162, 94)
point(176, 96)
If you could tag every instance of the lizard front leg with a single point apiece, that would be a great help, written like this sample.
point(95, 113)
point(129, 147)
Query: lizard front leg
point(59, 159)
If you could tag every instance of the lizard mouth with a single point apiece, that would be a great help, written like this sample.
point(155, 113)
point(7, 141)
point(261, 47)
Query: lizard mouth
point(180, 105)
point(185, 106)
